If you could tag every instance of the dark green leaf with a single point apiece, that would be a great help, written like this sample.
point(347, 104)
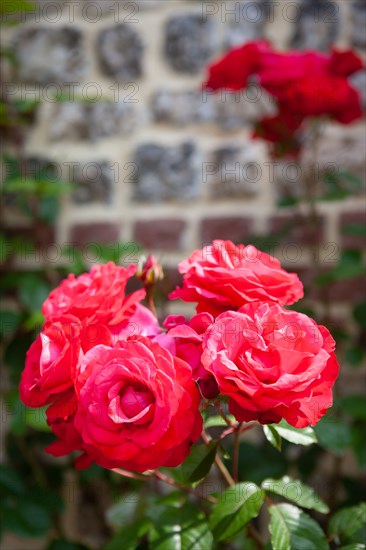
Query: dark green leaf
point(359, 314)
point(303, 436)
point(181, 528)
point(235, 508)
point(273, 436)
point(333, 434)
point(129, 537)
point(60, 544)
point(9, 322)
point(199, 462)
point(10, 481)
point(296, 491)
point(33, 291)
point(358, 443)
point(122, 512)
point(354, 405)
point(347, 521)
point(293, 529)
point(357, 229)
point(354, 355)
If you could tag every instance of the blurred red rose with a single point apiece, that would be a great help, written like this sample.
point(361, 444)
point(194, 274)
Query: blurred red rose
point(224, 276)
point(98, 296)
point(232, 71)
point(344, 63)
point(51, 362)
point(137, 406)
point(281, 130)
point(272, 363)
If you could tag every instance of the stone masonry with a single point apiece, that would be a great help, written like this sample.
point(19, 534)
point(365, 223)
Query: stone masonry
point(153, 158)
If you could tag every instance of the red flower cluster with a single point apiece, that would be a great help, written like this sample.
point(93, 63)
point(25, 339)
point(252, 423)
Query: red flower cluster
point(304, 84)
point(125, 393)
point(116, 394)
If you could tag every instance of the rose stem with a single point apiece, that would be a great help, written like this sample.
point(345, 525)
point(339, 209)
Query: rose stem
point(219, 463)
point(150, 299)
point(170, 481)
point(230, 480)
point(236, 453)
point(131, 475)
point(166, 479)
point(223, 414)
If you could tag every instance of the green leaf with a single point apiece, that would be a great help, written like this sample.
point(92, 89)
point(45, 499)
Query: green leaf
point(27, 519)
point(354, 405)
point(60, 544)
point(10, 481)
point(218, 421)
point(359, 314)
point(9, 322)
point(299, 436)
point(354, 355)
point(357, 229)
point(293, 529)
point(355, 546)
point(347, 521)
point(181, 529)
point(235, 508)
point(296, 491)
point(122, 512)
point(333, 434)
point(128, 538)
point(272, 436)
point(199, 462)
point(33, 291)
point(36, 419)
point(358, 442)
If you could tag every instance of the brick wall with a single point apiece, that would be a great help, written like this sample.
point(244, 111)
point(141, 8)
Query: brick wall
point(155, 160)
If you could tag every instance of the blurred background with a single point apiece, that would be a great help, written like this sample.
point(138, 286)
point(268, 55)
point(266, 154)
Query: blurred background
point(110, 148)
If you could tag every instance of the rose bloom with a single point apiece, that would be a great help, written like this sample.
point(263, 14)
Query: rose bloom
point(137, 406)
point(281, 131)
point(231, 72)
point(223, 276)
point(97, 296)
point(272, 363)
point(188, 338)
point(51, 362)
point(60, 417)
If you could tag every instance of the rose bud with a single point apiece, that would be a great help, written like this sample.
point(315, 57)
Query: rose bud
point(150, 271)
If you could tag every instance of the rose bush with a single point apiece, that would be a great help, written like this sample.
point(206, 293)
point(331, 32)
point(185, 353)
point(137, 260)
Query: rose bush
point(223, 276)
point(132, 397)
point(272, 364)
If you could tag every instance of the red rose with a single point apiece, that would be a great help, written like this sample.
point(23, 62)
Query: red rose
point(344, 63)
point(232, 71)
point(137, 406)
point(281, 131)
point(188, 337)
point(323, 95)
point(223, 276)
point(96, 296)
point(272, 363)
point(51, 362)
